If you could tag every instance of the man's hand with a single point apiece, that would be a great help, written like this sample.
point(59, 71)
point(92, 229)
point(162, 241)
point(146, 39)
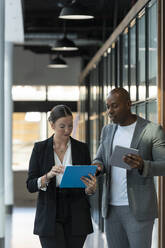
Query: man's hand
point(99, 168)
point(133, 160)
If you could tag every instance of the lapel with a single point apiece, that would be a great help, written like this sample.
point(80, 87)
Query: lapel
point(110, 134)
point(50, 154)
point(75, 155)
point(50, 161)
point(139, 131)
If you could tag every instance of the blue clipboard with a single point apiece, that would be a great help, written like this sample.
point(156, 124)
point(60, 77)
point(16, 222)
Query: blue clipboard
point(72, 175)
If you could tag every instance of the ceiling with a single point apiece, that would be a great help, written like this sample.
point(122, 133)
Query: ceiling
point(42, 25)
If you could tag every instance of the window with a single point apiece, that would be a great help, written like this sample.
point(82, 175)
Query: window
point(29, 93)
point(59, 93)
point(141, 56)
point(125, 59)
point(133, 60)
point(41, 93)
point(152, 53)
point(26, 131)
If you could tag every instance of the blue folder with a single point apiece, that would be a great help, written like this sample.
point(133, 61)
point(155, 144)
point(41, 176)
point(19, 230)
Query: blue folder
point(72, 175)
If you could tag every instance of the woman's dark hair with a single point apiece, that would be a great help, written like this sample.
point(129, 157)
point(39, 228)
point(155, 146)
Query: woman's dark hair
point(59, 111)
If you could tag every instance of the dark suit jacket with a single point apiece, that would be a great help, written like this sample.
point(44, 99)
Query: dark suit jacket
point(41, 161)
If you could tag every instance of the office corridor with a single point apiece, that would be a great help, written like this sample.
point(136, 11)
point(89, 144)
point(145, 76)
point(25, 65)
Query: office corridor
point(19, 231)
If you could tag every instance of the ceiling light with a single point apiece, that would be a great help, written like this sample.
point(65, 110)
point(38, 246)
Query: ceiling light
point(57, 63)
point(75, 12)
point(64, 44)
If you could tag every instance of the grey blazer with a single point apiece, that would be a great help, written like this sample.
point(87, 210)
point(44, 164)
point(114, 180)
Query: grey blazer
point(149, 139)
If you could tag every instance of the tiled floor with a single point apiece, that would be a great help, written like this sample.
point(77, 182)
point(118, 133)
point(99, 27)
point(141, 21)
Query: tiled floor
point(19, 231)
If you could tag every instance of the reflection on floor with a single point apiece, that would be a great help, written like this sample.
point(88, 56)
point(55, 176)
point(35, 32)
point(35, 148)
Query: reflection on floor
point(19, 227)
point(19, 231)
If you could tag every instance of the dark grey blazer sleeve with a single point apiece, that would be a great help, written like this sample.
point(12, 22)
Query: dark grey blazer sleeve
point(155, 164)
point(100, 156)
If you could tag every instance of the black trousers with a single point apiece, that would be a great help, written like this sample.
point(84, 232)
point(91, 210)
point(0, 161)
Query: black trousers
point(63, 237)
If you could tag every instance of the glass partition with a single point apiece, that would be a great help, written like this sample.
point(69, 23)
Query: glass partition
point(27, 128)
point(141, 56)
point(125, 59)
point(133, 60)
point(152, 53)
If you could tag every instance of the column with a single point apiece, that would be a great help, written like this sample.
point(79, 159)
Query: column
point(2, 208)
point(8, 126)
point(161, 111)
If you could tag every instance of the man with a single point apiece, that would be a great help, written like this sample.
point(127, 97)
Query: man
point(129, 201)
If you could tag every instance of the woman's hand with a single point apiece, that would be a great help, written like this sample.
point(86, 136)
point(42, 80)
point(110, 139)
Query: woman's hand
point(56, 170)
point(90, 183)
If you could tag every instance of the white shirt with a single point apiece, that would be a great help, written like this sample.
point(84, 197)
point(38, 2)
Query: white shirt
point(67, 161)
point(118, 192)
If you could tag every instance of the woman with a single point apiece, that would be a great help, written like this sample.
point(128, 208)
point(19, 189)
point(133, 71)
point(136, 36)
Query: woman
point(63, 215)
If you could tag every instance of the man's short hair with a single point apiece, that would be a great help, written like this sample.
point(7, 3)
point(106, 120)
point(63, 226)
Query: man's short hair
point(122, 92)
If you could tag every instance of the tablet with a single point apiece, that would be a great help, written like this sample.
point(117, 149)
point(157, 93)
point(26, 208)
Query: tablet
point(117, 156)
point(72, 175)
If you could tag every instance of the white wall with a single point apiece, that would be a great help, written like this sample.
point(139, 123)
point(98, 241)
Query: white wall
point(31, 69)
